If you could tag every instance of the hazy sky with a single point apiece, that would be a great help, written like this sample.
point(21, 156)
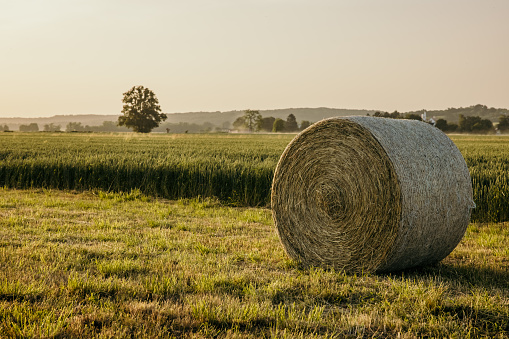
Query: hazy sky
point(78, 57)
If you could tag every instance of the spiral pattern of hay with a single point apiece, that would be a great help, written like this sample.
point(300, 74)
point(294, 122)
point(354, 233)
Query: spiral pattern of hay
point(371, 194)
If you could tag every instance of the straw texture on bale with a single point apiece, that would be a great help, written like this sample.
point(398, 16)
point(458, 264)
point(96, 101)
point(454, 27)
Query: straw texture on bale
point(371, 194)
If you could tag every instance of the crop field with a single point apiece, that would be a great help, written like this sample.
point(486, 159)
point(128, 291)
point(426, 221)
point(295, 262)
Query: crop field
point(163, 236)
point(236, 169)
point(487, 158)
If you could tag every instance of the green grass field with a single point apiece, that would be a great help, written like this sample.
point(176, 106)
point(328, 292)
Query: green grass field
point(127, 265)
point(91, 246)
point(236, 169)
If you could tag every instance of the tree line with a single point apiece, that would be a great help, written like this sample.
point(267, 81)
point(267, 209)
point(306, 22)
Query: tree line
point(452, 114)
point(466, 124)
point(253, 121)
point(107, 126)
point(474, 124)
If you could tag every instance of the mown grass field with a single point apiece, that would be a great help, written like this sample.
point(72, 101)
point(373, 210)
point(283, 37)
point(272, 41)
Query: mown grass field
point(170, 236)
point(103, 265)
point(236, 169)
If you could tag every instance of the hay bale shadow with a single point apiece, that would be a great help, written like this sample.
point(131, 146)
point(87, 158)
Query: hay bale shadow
point(468, 275)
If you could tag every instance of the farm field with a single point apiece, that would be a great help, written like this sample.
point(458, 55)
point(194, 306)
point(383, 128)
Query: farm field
point(98, 264)
point(236, 169)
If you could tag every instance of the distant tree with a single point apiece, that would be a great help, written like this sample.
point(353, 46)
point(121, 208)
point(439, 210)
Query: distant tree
point(452, 127)
point(503, 123)
point(291, 123)
point(484, 125)
point(252, 119)
point(74, 127)
point(106, 126)
point(267, 123)
point(5, 128)
point(279, 125)
point(479, 108)
point(462, 123)
point(51, 128)
point(33, 127)
point(239, 123)
point(386, 114)
point(474, 124)
point(109, 126)
point(412, 116)
point(441, 124)
point(182, 127)
point(394, 115)
point(141, 110)
point(207, 127)
point(305, 124)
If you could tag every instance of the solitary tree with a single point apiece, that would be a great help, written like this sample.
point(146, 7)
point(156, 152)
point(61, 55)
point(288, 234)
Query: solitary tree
point(141, 110)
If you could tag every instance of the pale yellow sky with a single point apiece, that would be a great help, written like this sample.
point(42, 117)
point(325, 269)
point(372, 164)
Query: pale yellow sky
point(78, 57)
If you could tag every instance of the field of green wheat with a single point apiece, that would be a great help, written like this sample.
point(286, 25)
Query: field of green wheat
point(236, 169)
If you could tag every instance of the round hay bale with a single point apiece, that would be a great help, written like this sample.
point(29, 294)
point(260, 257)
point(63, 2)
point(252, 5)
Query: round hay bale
point(371, 194)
